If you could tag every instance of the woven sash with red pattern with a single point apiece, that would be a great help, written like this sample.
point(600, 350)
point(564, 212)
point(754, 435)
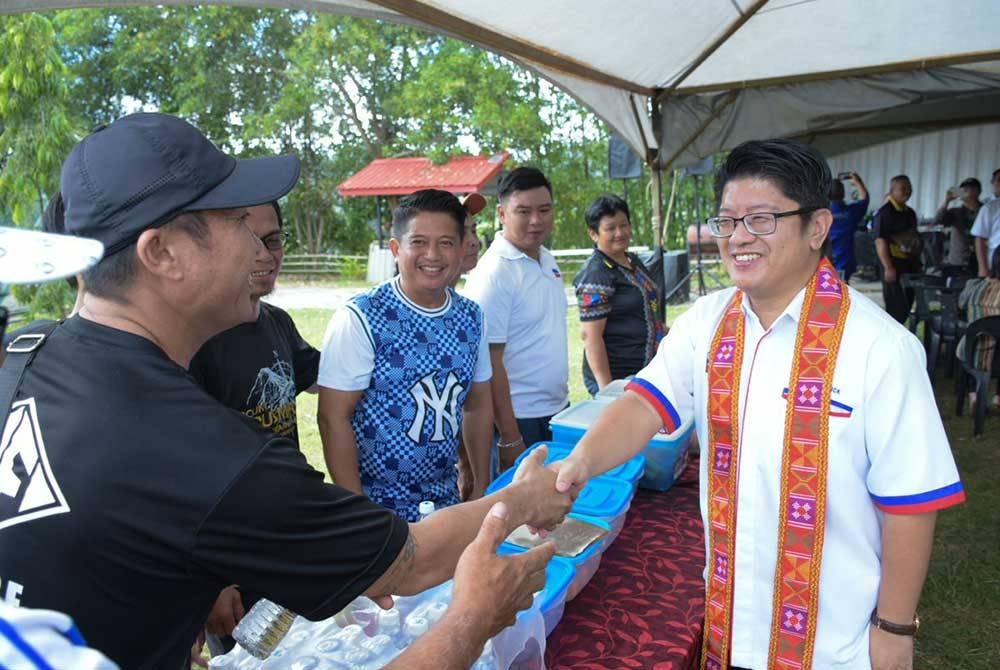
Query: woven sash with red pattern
point(803, 464)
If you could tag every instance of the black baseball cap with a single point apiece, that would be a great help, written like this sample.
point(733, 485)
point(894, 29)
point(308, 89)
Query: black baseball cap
point(144, 169)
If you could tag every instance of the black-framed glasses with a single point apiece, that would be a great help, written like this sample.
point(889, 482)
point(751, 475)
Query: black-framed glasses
point(276, 240)
point(758, 223)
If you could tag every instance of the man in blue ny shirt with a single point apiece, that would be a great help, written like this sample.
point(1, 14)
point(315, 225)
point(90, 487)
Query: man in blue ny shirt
point(405, 371)
point(846, 217)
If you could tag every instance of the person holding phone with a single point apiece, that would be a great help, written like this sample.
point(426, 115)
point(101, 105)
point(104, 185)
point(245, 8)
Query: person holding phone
point(959, 221)
point(846, 217)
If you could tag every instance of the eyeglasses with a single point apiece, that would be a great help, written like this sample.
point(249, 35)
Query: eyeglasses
point(276, 240)
point(758, 223)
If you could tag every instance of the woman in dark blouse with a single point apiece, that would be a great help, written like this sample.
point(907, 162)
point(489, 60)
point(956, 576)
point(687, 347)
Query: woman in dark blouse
point(619, 301)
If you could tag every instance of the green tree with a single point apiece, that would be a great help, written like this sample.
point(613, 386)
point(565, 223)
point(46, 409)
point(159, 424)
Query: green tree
point(36, 130)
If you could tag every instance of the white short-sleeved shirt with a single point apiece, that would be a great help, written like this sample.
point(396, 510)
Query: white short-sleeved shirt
point(524, 303)
point(347, 359)
point(987, 226)
point(888, 453)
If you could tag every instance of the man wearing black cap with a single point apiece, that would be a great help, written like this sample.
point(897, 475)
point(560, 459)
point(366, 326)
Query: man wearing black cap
point(129, 497)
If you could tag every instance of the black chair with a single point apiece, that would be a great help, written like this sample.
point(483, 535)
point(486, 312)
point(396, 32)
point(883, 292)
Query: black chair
point(987, 326)
point(957, 281)
point(921, 311)
point(944, 327)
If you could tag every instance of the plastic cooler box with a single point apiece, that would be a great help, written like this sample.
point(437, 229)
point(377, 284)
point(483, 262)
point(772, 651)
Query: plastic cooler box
point(558, 577)
point(666, 455)
point(584, 564)
point(605, 498)
point(630, 471)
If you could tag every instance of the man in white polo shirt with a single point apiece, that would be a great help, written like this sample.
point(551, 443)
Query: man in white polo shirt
point(986, 230)
point(520, 289)
point(824, 460)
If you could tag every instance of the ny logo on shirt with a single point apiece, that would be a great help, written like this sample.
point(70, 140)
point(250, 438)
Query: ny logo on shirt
point(443, 404)
point(28, 489)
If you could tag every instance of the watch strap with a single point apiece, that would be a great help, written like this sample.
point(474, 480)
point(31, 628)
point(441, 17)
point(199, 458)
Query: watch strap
point(895, 628)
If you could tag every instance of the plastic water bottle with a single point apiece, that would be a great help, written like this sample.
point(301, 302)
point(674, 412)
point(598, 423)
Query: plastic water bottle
point(425, 509)
point(263, 628)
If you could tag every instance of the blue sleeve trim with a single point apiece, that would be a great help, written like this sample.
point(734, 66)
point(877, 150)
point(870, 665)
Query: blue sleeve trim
point(658, 398)
point(942, 492)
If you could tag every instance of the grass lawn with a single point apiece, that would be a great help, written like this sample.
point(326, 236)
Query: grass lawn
point(960, 607)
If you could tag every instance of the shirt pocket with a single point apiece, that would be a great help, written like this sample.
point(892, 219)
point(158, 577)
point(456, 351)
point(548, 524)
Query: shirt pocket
point(839, 410)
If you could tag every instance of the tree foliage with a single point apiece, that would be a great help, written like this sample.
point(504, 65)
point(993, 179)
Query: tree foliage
point(36, 130)
point(339, 92)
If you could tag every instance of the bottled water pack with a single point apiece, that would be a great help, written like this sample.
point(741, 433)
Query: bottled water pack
point(362, 636)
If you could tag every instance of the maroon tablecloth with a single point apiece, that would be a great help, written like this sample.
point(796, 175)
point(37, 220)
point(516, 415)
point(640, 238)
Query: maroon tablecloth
point(645, 606)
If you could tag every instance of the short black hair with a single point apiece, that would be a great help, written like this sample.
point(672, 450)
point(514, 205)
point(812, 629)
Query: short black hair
point(523, 178)
point(799, 171)
point(54, 221)
point(54, 216)
point(973, 182)
point(605, 205)
point(427, 200)
point(996, 175)
point(901, 177)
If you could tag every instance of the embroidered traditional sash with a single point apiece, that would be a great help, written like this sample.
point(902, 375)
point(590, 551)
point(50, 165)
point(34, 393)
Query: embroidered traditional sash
point(804, 473)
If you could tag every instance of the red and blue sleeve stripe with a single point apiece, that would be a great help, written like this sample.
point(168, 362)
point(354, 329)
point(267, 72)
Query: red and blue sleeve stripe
point(931, 501)
point(671, 419)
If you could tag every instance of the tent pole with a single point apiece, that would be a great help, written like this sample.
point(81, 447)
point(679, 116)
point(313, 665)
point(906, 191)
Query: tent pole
point(661, 280)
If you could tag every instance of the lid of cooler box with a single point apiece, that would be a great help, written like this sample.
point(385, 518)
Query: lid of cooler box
point(583, 414)
point(580, 415)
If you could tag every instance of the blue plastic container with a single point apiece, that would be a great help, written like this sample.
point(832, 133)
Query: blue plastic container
point(605, 498)
point(584, 564)
point(630, 471)
point(666, 455)
point(559, 575)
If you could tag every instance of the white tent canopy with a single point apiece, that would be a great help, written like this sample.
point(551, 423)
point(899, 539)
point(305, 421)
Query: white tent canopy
point(692, 78)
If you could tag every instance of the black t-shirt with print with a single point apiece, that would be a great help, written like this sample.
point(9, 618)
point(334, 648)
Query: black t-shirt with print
point(129, 498)
point(899, 230)
point(258, 368)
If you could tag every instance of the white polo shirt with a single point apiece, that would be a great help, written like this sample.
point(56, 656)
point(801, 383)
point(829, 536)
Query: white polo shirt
point(524, 302)
point(987, 226)
point(888, 452)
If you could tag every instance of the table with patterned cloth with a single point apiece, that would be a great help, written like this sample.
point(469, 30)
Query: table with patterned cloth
point(645, 606)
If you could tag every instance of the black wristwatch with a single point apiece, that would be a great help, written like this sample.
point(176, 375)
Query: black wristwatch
point(896, 628)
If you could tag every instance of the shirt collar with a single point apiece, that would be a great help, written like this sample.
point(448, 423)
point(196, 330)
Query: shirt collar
point(507, 250)
point(397, 288)
point(793, 310)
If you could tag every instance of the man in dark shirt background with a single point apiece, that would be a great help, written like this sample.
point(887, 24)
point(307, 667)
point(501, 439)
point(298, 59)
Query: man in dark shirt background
point(898, 245)
point(959, 221)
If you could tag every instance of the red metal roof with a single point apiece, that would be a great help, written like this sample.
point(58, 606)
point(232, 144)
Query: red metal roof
point(401, 176)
